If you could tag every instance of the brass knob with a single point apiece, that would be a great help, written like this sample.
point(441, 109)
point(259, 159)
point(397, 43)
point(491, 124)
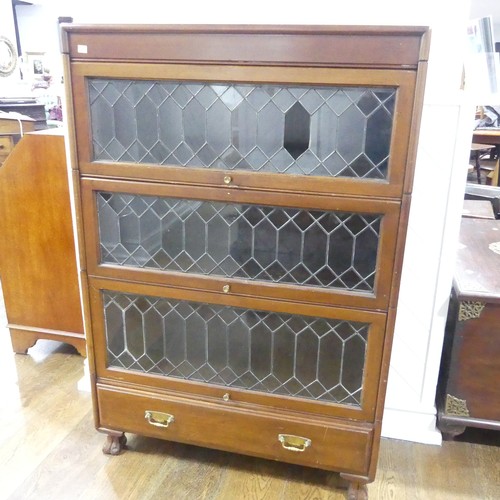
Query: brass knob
point(226, 397)
point(228, 179)
point(226, 288)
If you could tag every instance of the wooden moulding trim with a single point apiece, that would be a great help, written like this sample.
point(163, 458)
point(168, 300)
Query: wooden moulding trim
point(244, 289)
point(376, 318)
point(87, 315)
point(400, 248)
point(243, 195)
point(425, 46)
point(469, 422)
point(241, 399)
point(245, 28)
point(71, 153)
point(324, 187)
point(355, 478)
point(148, 391)
point(276, 45)
point(382, 388)
point(45, 331)
point(415, 127)
point(476, 295)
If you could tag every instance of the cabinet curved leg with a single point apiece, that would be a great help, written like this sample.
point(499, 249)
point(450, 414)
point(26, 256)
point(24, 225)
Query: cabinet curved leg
point(22, 341)
point(114, 444)
point(357, 491)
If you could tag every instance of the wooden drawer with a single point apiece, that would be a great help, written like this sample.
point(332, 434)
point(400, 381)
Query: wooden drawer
point(333, 445)
point(6, 146)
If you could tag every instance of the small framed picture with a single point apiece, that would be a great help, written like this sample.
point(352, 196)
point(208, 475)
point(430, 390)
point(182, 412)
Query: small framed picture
point(35, 63)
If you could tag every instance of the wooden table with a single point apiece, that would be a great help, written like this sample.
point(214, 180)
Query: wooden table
point(489, 136)
point(468, 389)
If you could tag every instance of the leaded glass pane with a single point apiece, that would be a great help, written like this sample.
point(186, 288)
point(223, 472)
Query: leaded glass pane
point(286, 354)
point(281, 245)
point(319, 131)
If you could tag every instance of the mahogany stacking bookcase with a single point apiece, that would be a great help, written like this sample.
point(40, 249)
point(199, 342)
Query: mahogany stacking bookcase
point(242, 196)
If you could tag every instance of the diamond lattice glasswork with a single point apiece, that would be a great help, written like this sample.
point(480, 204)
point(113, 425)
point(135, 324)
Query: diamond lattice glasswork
point(319, 131)
point(281, 245)
point(302, 356)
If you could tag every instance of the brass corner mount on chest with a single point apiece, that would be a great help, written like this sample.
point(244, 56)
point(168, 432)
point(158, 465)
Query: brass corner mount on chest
point(456, 406)
point(470, 310)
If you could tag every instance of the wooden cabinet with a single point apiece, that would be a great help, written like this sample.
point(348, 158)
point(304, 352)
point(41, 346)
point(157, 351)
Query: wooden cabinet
point(467, 393)
point(243, 194)
point(37, 249)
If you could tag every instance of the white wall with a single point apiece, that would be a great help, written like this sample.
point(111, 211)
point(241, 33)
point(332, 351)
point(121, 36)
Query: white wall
point(7, 20)
point(7, 29)
point(440, 174)
point(496, 32)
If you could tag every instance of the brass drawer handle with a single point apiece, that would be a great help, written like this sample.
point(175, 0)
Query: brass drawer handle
point(294, 443)
point(159, 419)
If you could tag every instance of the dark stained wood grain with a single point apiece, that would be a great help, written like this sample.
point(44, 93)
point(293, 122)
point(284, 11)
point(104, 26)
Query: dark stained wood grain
point(245, 421)
point(475, 366)
point(334, 445)
point(477, 274)
point(469, 365)
point(292, 45)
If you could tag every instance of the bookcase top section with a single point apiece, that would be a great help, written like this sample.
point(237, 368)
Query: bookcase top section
point(323, 46)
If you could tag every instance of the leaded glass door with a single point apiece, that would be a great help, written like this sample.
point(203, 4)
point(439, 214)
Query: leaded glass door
point(322, 133)
point(334, 251)
point(255, 351)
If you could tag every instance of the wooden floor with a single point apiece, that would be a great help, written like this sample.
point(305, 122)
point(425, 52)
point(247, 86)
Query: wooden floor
point(50, 450)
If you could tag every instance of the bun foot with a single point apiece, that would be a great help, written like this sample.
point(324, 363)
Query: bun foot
point(449, 430)
point(114, 444)
point(357, 491)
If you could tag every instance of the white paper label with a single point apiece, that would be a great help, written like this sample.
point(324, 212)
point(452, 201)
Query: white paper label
point(81, 49)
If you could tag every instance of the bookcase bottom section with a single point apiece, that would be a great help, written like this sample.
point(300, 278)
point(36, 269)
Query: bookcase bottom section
point(304, 440)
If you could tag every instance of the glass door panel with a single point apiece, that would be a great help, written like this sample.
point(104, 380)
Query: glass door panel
point(326, 249)
point(314, 358)
point(326, 131)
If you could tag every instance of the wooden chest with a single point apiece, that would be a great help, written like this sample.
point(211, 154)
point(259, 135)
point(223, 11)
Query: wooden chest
point(468, 392)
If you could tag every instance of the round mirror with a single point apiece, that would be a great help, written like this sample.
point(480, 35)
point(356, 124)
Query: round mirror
point(8, 57)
